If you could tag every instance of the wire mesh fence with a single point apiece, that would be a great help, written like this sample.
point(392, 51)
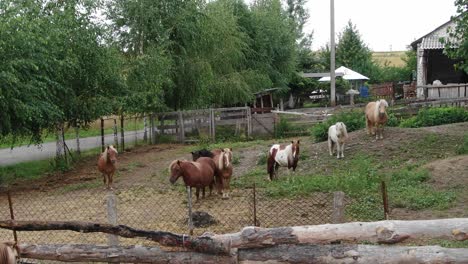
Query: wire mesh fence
point(148, 208)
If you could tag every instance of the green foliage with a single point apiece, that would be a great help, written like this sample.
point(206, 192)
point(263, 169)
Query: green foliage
point(392, 121)
point(361, 180)
point(436, 116)
point(456, 46)
point(353, 120)
point(352, 52)
point(462, 149)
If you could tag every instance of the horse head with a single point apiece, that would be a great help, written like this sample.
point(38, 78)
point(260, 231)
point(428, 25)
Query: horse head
point(295, 149)
point(111, 154)
point(381, 106)
point(225, 158)
point(176, 170)
point(341, 130)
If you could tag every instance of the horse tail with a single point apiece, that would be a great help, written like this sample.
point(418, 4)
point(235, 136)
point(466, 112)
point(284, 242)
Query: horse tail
point(271, 160)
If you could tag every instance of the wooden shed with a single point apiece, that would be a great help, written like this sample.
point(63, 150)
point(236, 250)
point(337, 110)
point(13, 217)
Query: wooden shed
point(264, 101)
point(433, 66)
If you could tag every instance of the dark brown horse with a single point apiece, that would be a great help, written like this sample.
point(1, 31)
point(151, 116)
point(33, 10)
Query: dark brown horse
point(284, 156)
point(107, 164)
point(198, 174)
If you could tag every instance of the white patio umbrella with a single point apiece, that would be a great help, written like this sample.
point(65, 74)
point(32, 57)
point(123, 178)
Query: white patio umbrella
point(348, 74)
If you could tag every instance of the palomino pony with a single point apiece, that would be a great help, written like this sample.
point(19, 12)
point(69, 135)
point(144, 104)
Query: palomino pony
point(376, 117)
point(9, 252)
point(284, 156)
point(337, 135)
point(198, 174)
point(107, 164)
point(223, 161)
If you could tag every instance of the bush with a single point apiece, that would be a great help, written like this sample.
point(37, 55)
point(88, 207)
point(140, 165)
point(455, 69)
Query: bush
point(436, 116)
point(353, 120)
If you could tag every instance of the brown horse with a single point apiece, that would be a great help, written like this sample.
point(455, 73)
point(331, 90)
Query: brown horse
point(284, 156)
point(376, 117)
point(197, 174)
point(223, 159)
point(9, 252)
point(107, 164)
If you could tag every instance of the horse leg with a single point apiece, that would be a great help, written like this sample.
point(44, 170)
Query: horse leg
point(275, 175)
point(368, 126)
point(111, 180)
point(225, 189)
point(330, 146)
point(381, 131)
point(342, 149)
point(270, 167)
point(203, 192)
point(377, 131)
point(197, 193)
point(338, 149)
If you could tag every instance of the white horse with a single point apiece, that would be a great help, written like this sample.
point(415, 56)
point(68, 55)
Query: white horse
point(284, 156)
point(337, 135)
point(376, 117)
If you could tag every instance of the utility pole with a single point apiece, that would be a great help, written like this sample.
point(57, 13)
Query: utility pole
point(332, 53)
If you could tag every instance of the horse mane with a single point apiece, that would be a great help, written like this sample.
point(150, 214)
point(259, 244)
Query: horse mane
point(8, 252)
point(172, 164)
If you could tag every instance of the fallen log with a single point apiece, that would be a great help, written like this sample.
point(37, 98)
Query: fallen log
point(353, 254)
point(384, 232)
point(199, 244)
point(342, 254)
point(124, 254)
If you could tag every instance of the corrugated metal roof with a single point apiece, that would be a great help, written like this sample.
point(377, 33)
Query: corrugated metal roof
point(431, 43)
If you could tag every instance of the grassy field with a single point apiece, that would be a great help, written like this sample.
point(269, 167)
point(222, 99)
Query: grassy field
point(393, 58)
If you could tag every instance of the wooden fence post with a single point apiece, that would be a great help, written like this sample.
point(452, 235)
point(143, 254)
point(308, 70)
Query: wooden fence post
point(113, 240)
point(145, 130)
point(249, 122)
point(338, 208)
point(189, 201)
point(384, 199)
point(181, 128)
point(212, 125)
point(254, 191)
point(116, 139)
point(122, 133)
point(12, 215)
point(102, 135)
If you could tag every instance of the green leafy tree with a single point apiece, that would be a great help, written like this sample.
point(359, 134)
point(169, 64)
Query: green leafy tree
point(352, 52)
point(457, 45)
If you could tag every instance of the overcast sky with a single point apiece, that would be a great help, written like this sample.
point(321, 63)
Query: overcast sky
point(383, 24)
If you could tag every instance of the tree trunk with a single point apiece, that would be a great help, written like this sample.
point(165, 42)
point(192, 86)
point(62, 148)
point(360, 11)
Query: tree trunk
point(291, 101)
point(278, 254)
point(125, 254)
point(200, 244)
point(387, 232)
point(352, 254)
point(77, 133)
